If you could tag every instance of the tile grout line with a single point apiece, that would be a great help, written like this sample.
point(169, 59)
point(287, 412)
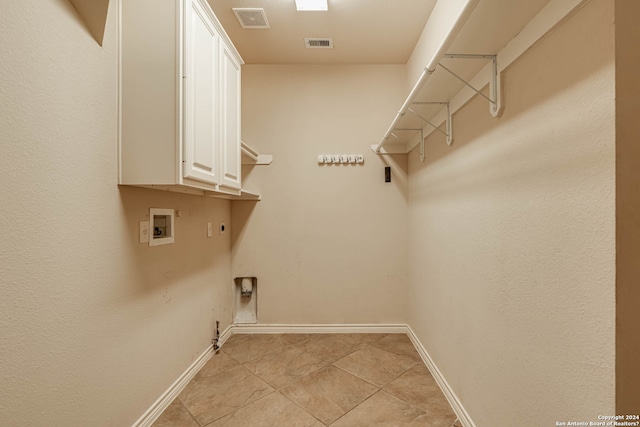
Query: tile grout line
point(395, 378)
point(345, 414)
point(195, 396)
point(275, 389)
point(301, 408)
point(188, 411)
point(240, 408)
point(236, 409)
point(296, 378)
point(381, 389)
point(292, 382)
point(213, 355)
point(378, 388)
point(357, 377)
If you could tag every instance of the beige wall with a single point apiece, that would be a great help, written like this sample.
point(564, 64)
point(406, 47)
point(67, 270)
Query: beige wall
point(440, 23)
point(94, 326)
point(512, 237)
point(628, 206)
point(327, 243)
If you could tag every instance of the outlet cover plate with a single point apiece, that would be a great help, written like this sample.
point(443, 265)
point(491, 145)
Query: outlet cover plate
point(143, 232)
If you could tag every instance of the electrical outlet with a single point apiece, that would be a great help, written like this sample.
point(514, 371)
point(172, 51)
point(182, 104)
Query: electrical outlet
point(143, 232)
point(209, 229)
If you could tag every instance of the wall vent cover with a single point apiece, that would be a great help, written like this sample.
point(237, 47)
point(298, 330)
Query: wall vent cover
point(319, 43)
point(252, 18)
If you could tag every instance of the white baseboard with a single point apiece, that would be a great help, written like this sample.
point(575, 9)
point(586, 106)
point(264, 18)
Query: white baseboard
point(453, 400)
point(319, 329)
point(224, 336)
point(158, 407)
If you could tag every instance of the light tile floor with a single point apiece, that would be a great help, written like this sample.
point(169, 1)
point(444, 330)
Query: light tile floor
point(312, 380)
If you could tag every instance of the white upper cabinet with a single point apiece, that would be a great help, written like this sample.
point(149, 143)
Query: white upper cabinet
point(201, 94)
point(179, 98)
point(230, 125)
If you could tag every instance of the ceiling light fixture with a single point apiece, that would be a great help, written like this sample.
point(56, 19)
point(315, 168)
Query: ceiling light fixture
point(305, 5)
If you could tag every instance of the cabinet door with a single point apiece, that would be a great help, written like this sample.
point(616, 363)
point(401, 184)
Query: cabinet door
point(230, 172)
point(201, 125)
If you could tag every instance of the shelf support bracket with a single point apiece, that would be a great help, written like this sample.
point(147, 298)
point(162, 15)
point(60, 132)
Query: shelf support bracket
point(495, 82)
point(403, 142)
point(448, 124)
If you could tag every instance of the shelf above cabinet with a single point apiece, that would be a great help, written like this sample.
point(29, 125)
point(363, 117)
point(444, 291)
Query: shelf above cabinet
point(252, 157)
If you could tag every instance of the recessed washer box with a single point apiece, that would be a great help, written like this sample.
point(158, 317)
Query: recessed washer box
point(162, 226)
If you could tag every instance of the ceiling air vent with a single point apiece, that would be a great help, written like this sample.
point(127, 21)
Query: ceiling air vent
point(251, 18)
point(325, 43)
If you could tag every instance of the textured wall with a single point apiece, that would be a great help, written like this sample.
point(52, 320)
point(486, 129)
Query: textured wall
point(628, 207)
point(512, 242)
point(327, 243)
point(93, 326)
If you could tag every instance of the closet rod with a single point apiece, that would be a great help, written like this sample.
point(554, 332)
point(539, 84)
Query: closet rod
point(431, 67)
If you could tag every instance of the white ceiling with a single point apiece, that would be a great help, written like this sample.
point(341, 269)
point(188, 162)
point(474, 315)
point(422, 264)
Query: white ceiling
point(367, 31)
point(363, 31)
